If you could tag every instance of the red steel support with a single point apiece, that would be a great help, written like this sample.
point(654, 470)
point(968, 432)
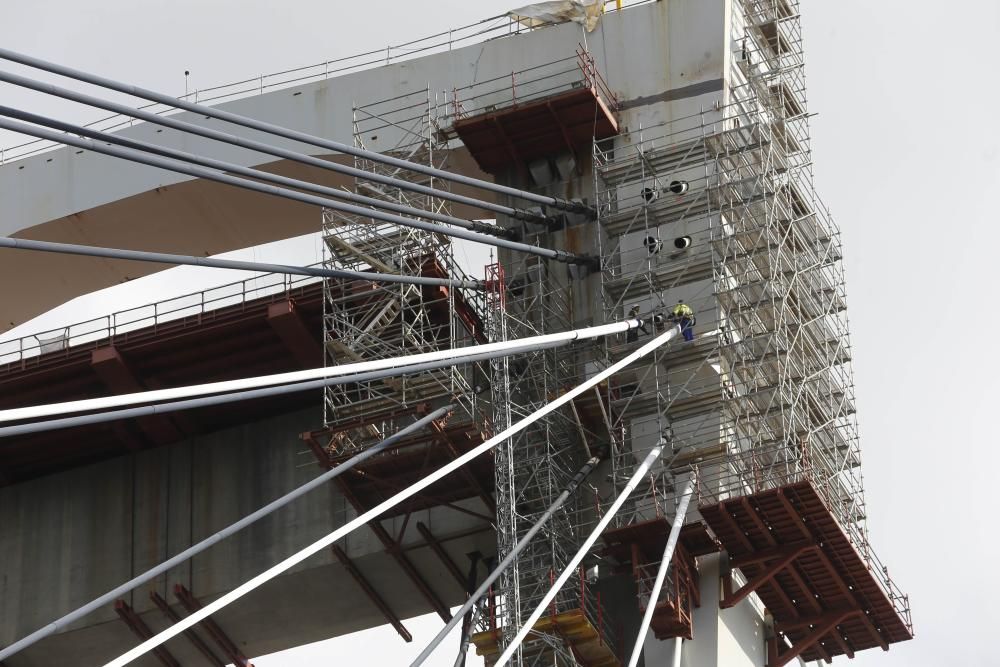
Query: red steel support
point(192, 636)
point(229, 648)
point(444, 438)
point(322, 457)
point(792, 571)
point(294, 333)
point(372, 594)
point(115, 373)
point(393, 549)
point(780, 659)
point(436, 547)
point(142, 631)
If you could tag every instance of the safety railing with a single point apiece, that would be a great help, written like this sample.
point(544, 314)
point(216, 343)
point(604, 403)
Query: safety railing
point(16, 352)
point(521, 87)
point(473, 33)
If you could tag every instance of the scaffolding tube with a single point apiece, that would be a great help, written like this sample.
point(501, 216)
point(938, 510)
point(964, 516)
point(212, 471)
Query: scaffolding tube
point(508, 559)
point(294, 135)
point(415, 488)
point(661, 575)
point(196, 549)
point(191, 260)
point(267, 177)
point(304, 197)
point(261, 147)
point(580, 555)
point(455, 355)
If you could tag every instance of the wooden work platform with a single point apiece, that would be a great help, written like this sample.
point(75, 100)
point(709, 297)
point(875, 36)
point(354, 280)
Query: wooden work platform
point(823, 597)
point(572, 627)
point(518, 134)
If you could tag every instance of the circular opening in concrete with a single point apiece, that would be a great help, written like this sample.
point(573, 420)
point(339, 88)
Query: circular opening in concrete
point(678, 187)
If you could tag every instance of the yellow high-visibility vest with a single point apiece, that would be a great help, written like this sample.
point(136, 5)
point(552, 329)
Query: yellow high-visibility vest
point(682, 310)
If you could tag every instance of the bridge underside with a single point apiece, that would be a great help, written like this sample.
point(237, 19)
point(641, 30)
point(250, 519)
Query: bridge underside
point(113, 500)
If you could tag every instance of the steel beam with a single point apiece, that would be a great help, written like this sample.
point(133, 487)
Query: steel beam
point(228, 646)
point(142, 631)
point(821, 618)
point(784, 657)
point(434, 500)
point(773, 543)
point(115, 373)
point(372, 594)
point(285, 320)
point(764, 555)
point(845, 589)
point(442, 554)
point(192, 636)
point(392, 548)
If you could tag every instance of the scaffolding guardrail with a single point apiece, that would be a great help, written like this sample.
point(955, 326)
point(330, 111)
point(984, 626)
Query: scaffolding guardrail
point(18, 351)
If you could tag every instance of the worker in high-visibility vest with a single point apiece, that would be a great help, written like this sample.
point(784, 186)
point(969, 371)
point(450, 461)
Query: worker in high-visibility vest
point(684, 316)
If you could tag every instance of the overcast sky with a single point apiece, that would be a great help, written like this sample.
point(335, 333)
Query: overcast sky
point(906, 151)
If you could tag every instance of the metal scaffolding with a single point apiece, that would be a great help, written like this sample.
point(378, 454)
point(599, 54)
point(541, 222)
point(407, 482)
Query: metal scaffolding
point(529, 296)
point(718, 208)
point(364, 320)
point(533, 469)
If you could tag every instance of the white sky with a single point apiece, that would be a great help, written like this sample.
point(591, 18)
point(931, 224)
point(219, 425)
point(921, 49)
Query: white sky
point(906, 152)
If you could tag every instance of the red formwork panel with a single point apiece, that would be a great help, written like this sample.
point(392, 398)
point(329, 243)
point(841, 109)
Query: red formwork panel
point(516, 135)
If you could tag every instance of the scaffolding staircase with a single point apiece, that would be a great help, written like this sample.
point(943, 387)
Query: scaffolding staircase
point(365, 321)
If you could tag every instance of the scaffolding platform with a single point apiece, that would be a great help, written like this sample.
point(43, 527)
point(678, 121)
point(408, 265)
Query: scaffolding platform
point(574, 627)
point(521, 133)
point(824, 598)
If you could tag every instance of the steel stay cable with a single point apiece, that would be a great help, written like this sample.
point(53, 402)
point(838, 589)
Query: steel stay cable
point(238, 265)
point(118, 400)
point(267, 177)
point(222, 399)
point(262, 126)
point(376, 511)
point(304, 197)
point(261, 147)
point(217, 537)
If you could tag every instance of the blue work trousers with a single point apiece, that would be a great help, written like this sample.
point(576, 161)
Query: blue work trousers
point(687, 328)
